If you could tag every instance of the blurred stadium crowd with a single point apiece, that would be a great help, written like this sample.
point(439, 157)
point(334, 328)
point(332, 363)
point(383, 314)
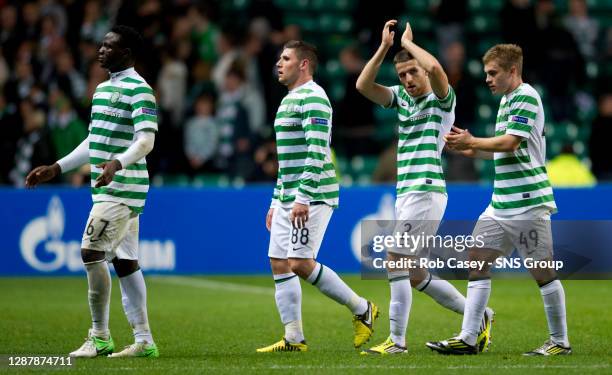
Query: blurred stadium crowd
point(211, 64)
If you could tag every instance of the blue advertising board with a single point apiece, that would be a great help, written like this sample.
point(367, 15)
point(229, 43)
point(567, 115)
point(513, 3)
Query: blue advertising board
point(213, 230)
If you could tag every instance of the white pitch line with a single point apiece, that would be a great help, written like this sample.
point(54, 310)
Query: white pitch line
point(213, 284)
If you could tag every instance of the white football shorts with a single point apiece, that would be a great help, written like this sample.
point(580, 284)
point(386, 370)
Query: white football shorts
point(113, 228)
point(530, 233)
point(419, 214)
point(286, 241)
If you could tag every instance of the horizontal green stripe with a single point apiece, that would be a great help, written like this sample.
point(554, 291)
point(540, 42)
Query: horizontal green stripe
point(133, 167)
point(316, 114)
point(144, 117)
point(144, 104)
point(302, 142)
point(419, 134)
point(316, 128)
point(420, 147)
point(292, 156)
point(291, 142)
point(523, 202)
point(424, 174)
point(418, 161)
point(107, 103)
point(522, 188)
point(142, 90)
point(523, 99)
point(512, 160)
point(119, 193)
point(106, 148)
point(523, 113)
point(520, 127)
point(131, 80)
point(316, 155)
point(520, 174)
point(125, 180)
point(288, 128)
point(111, 134)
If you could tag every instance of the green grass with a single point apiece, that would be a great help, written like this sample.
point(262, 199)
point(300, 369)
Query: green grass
point(214, 324)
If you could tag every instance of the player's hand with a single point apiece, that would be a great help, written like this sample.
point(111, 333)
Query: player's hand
point(407, 35)
point(299, 215)
point(109, 170)
point(387, 34)
point(269, 218)
point(458, 139)
point(41, 174)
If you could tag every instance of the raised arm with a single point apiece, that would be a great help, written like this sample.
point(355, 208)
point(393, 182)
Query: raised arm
point(366, 84)
point(437, 76)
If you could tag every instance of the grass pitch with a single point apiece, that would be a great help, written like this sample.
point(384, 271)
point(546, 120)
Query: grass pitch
point(214, 325)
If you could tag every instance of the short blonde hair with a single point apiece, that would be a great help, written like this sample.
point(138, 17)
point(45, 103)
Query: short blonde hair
point(506, 55)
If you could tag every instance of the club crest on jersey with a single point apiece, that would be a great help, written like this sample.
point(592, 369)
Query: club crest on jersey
point(318, 121)
point(520, 119)
point(115, 96)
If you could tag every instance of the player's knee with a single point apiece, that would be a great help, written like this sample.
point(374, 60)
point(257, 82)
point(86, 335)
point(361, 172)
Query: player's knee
point(279, 266)
point(92, 256)
point(544, 276)
point(479, 274)
point(415, 282)
point(125, 267)
point(301, 267)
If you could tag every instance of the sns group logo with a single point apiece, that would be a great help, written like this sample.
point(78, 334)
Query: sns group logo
point(43, 247)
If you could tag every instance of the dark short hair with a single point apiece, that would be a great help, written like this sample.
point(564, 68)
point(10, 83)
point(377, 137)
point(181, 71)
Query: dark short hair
point(304, 51)
point(129, 38)
point(402, 56)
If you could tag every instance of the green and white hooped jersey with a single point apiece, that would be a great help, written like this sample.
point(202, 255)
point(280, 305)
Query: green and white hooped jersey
point(423, 121)
point(303, 124)
point(121, 106)
point(521, 181)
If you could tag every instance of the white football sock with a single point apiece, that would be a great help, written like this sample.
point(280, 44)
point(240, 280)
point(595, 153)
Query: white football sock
point(330, 284)
point(288, 296)
point(99, 281)
point(399, 306)
point(477, 298)
point(553, 297)
point(134, 299)
point(444, 293)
